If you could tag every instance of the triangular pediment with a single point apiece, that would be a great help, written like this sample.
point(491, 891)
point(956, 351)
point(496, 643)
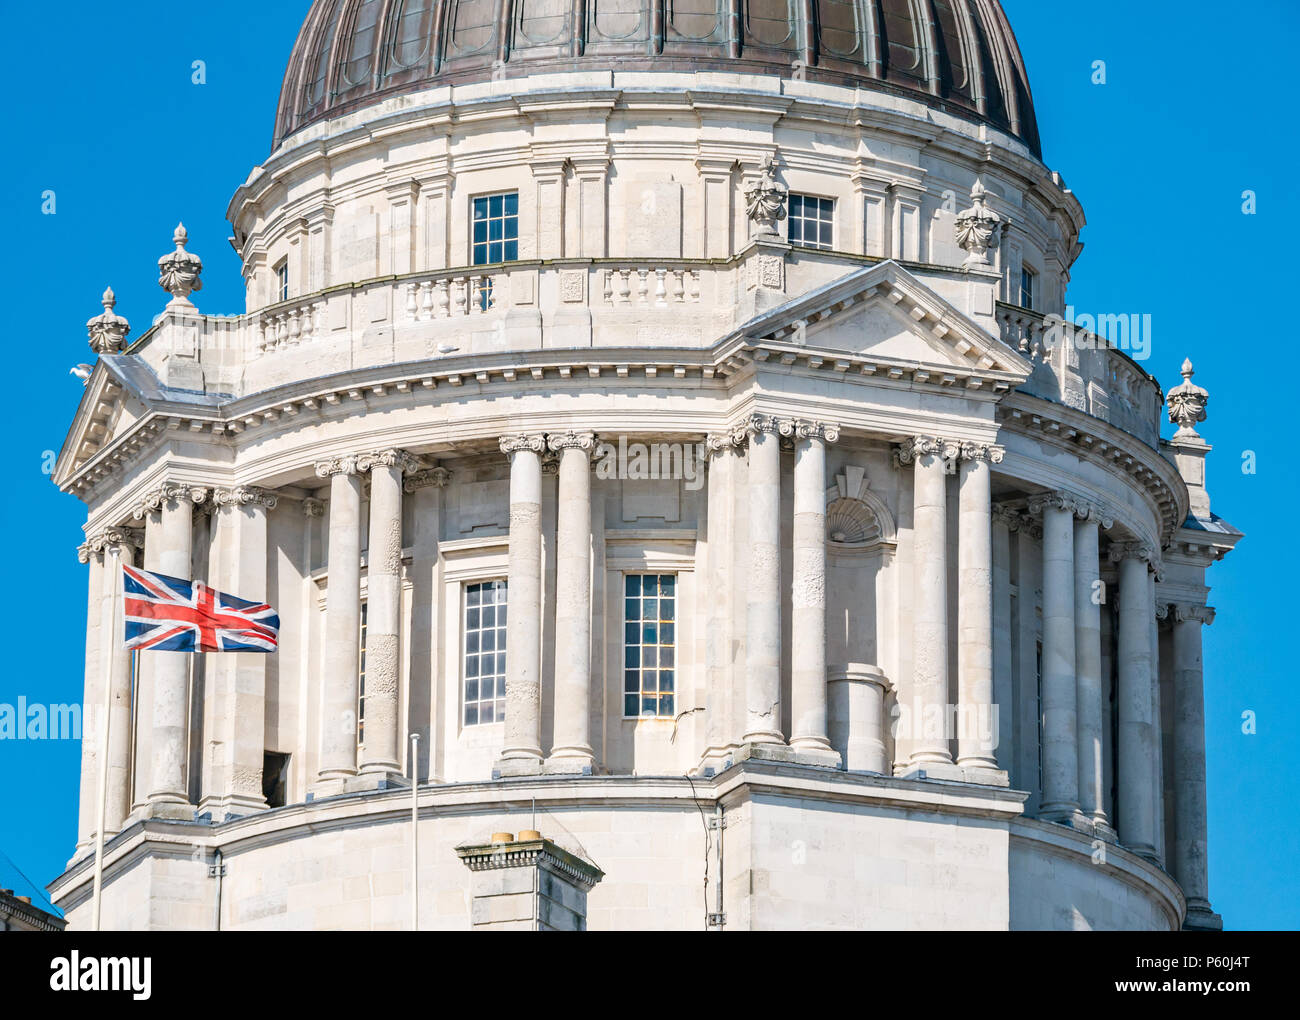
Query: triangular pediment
point(887, 316)
point(109, 408)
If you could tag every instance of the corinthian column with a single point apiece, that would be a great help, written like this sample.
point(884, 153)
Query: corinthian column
point(571, 752)
point(1136, 742)
point(383, 608)
point(168, 797)
point(930, 605)
point(338, 750)
point(1087, 656)
point(763, 612)
point(1191, 858)
point(977, 735)
point(1060, 699)
point(809, 732)
point(522, 753)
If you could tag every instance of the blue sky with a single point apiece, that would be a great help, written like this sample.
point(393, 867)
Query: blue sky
point(1197, 108)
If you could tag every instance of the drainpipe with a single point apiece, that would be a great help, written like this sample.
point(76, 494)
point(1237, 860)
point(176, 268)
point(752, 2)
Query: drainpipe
point(216, 870)
point(717, 920)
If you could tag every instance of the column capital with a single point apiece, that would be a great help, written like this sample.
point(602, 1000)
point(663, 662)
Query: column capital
point(720, 442)
point(245, 495)
point(987, 452)
point(758, 424)
point(1059, 500)
point(1192, 612)
point(439, 477)
point(1012, 516)
point(345, 465)
point(101, 541)
point(584, 441)
point(400, 459)
point(312, 507)
point(1090, 510)
point(916, 447)
point(808, 429)
point(510, 445)
point(169, 492)
point(1120, 551)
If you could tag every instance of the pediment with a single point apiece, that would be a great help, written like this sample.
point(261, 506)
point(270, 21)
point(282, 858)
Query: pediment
point(886, 316)
point(108, 410)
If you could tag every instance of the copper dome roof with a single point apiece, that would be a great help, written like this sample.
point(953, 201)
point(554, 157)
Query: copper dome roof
point(958, 54)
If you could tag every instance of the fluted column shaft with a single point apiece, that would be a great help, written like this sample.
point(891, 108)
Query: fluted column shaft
point(1190, 857)
point(1136, 739)
point(338, 752)
point(572, 751)
point(930, 604)
point(1060, 700)
point(167, 792)
point(809, 725)
point(523, 726)
point(379, 752)
point(1087, 657)
point(763, 724)
point(977, 731)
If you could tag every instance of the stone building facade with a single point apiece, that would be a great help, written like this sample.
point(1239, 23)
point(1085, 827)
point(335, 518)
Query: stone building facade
point(665, 414)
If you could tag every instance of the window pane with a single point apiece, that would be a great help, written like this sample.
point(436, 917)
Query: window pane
point(484, 665)
point(649, 674)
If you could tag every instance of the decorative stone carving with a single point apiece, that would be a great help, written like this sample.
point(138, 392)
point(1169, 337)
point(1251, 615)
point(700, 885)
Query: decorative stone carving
point(765, 201)
point(245, 495)
point(439, 477)
point(346, 465)
point(1185, 612)
point(983, 451)
point(1186, 403)
point(757, 423)
point(1012, 516)
point(1054, 501)
point(108, 331)
point(572, 286)
point(927, 446)
point(155, 499)
point(978, 228)
point(1087, 510)
point(312, 507)
point(585, 441)
point(523, 444)
point(179, 270)
point(1120, 551)
point(101, 541)
point(827, 433)
point(399, 459)
point(851, 522)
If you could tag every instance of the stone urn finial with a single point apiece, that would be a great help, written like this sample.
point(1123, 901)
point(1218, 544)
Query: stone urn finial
point(108, 330)
point(179, 270)
point(1186, 403)
point(978, 228)
point(765, 201)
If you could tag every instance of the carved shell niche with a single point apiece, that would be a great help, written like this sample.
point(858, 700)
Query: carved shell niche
point(851, 522)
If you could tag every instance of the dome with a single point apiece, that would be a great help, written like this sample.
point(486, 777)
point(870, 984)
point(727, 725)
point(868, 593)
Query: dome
point(960, 55)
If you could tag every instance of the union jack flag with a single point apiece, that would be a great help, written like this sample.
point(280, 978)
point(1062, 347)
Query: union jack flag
point(167, 614)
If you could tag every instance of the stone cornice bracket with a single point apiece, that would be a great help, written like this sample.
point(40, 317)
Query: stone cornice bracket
point(108, 331)
point(102, 540)
point(399, 459)
point(757, 424)
point(765, 201)
point(312, 507)
point(168, 492)
point(245, 495)
point(978, 228)
point(913, 449)
point(826, 432)
point(510, 445)
point(337, 466)
point(438, 477)
point(178, 271)
point(1185, 612)
point(987, 452)
point(1186, 403)
point(585, 441)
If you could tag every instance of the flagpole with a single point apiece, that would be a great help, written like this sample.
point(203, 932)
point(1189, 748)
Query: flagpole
point(415, 832)
point(115, 579)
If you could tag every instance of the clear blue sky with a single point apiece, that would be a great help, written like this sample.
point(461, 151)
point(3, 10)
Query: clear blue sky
point(102, 111)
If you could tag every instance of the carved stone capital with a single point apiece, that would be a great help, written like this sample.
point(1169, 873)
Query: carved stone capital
point(1059, 500)
point(987, 452)
point(438, 477)
point(825, 431)
point(245, 495)
point(927, 446)
point(347, 465)
point(511, 445)
point(1013, 517)
point(169, 492)
point(399, 459)
point(1088, 510)
point(1120, 551)
point(108, 538)
point(1186, 612)
point(758, 424)
point(585, 441)
point(108, 331)
point(721, 442)
point(312, 507)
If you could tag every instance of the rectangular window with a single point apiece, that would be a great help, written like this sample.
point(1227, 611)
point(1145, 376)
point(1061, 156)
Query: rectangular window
point(282, 281)
point(812, 221)
point(1028, 286)
point(361, 678)
point(496, 228)
point(485, 652)
point(650, 646)
point(275, 778)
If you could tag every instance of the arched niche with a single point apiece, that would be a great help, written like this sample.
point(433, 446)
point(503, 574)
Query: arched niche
point(861, 539)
